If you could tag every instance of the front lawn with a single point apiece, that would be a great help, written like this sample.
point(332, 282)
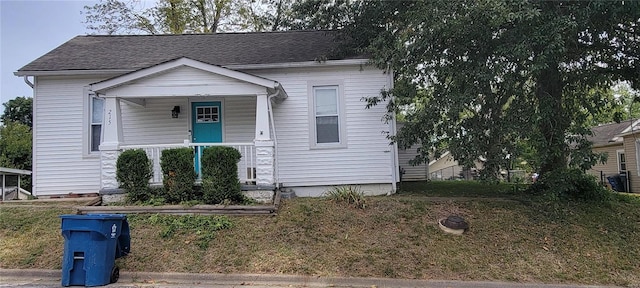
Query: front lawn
point(462, 189)
point(395, 236)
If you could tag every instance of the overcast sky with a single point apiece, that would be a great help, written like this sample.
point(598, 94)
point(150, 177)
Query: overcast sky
point(28, 30)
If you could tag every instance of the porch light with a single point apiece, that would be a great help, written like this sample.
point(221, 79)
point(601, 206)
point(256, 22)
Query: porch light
point(175, 111)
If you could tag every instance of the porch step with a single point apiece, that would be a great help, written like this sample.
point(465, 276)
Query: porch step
point(250, 187)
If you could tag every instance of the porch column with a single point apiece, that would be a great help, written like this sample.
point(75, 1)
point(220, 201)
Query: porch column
point(110, 145)
point(264, 144)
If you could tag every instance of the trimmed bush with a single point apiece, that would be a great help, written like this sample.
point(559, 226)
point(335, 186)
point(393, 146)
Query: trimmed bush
point(571, 184)
point(220, 175)
point(178, 174)
point(133, 171)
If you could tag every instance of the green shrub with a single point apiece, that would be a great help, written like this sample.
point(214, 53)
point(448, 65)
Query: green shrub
point(178, 174)
point(571, 184)
point(220, 175)
point(351, 195)
point(133, 171)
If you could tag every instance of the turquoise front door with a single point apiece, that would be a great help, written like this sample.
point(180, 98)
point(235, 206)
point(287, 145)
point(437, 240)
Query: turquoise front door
point(206, 126)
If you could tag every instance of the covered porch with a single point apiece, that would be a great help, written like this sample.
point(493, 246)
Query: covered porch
point(186, 103)
point(13, 191)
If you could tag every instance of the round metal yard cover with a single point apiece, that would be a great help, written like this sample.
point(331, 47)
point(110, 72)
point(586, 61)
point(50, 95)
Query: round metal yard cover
point(455, 222)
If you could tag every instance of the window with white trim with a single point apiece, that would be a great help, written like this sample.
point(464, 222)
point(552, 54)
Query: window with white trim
point(638, 156)
point(205, 114)
point(326, 112)
point(95, 130)
point(622, 161)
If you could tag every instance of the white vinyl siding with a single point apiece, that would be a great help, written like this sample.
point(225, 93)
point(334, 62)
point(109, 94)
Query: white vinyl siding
point(61, 112)
point(185, 81)
point(367, 157)
point(62, 166)
point(153, 124)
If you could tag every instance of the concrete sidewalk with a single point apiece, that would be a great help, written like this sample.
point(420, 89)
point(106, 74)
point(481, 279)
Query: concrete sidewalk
point(30, 278)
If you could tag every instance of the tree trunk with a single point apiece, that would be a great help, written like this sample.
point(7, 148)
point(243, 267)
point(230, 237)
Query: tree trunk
point(553, 122)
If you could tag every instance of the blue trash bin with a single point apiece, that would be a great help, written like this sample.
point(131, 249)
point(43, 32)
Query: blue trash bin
point(92, 243)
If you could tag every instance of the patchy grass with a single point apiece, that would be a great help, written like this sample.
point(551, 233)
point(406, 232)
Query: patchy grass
point(30, 237)
point(394, 237)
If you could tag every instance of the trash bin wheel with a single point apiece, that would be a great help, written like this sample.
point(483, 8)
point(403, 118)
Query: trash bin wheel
point(115, 275)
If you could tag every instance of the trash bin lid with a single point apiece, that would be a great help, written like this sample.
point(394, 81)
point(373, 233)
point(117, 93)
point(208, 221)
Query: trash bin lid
point(95, 216)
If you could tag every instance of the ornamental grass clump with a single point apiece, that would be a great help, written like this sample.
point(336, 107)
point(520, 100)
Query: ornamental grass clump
point(220, 182)
point(178, 174)
point(351, 195)
point(133, 171)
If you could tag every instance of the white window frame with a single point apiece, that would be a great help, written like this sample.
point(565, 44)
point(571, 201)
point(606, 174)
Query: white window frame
point(618, 152)
point(91, 123)
point(87, 123)
point(637, 156)
point(216, 113)
point(342, 131)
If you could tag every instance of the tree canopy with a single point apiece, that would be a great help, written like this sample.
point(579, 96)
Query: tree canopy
point(489, 80)
point(184, 16)
point(479, 77)
point(15, 146)
point(19, 110)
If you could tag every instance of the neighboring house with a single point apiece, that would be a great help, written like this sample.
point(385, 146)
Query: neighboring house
point(411, 172)
point(443, 168)
point(621, 143)
point(448, 168)
point(408, 171)
point(295, 112)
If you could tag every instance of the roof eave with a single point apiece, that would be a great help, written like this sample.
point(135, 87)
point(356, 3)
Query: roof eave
point(71, 72)
point(608, 144)
point(305, 64)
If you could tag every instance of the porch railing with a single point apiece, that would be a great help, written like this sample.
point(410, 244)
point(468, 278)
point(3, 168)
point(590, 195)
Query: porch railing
point(246, 165)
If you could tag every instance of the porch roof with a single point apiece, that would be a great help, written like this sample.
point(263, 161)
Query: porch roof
point(271, 86)
point(134, 52)
point(12, 171)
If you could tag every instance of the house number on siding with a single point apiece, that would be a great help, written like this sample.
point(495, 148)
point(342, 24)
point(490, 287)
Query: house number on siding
point(109, 117)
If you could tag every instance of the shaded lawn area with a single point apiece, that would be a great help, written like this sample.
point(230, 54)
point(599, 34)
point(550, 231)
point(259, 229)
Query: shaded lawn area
point(462, 189)
point(394, 236)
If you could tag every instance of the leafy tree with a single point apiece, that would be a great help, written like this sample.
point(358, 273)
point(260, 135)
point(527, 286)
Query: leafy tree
point(493, 73)
point(618, 103)
point(183, 16)
point(15, 146)
point(20, 110)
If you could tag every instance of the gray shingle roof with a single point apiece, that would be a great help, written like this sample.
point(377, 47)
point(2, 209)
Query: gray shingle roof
point(606, 134)
point(134, 52)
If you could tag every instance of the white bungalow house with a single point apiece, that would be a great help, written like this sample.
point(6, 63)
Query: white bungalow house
point(295, 112)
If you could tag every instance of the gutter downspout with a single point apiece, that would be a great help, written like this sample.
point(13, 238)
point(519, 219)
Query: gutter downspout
point(394, 147)
point(26, 80)
point(275, 140)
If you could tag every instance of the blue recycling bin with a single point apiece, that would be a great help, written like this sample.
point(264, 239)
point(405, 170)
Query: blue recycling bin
point(92, 243)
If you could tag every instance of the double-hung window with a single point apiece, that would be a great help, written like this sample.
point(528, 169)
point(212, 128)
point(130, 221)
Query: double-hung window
point(95, 130)
point(622, 161)
point(327, 127)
